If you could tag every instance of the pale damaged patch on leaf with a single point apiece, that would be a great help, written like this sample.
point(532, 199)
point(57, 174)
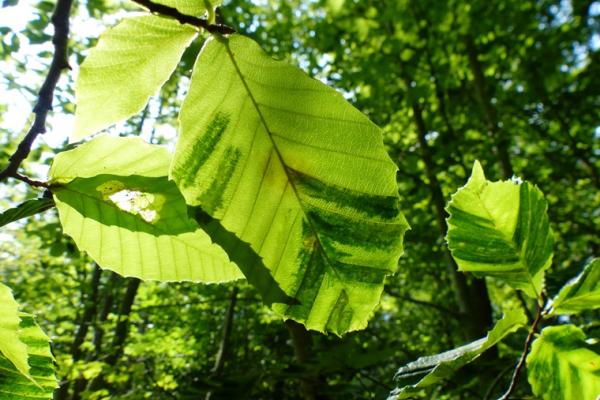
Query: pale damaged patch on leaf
point(146, 205)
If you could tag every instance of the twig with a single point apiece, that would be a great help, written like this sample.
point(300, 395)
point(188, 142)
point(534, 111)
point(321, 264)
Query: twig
point(184, 18)
point(488, 393)
point(29, 181)
point(60, 20)
point(523, 302)
point(438, 307)
point(513, 381)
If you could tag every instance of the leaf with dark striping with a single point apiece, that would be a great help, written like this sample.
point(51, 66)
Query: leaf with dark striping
point(582, 293)
point(26, 363)
point(297, 173)
point(562, 366)
point(501, 230)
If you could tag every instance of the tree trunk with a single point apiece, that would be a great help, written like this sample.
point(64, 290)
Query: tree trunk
point(121, 330)
point(302, 343)
point(473, 300)
point(87, 316)
point(224, 349)
point(500, 139)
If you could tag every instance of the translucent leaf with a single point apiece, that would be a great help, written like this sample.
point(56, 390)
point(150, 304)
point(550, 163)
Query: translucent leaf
point(11, 346)
point(501, 229)
point(582, 293)
point(561, 366)
point(196, 8)
point(128, 65)
point(24, 210)
point(427, 371)
point(291, 168)
point(26, 363)
point(115, 201)
point(244, 257)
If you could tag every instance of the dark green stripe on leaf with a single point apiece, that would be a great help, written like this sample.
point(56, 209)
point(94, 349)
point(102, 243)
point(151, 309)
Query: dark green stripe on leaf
point(211, 199)
point(380, 207)
point(187, 169)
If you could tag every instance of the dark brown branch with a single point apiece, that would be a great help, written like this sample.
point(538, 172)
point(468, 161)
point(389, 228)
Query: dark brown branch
point(311, 382)
point(29, 181)
point(224, 347)
point(60, 61)
point(184, 18)
point(513, 381)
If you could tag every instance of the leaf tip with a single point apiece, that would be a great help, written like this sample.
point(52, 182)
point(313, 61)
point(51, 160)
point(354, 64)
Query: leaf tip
point(477, 174)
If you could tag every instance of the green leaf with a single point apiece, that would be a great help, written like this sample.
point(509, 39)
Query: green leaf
point(10, 344)
point(115, 201)
point(26, 209)
point(129, 65)
point(190, 7)
point(582, 293)
point(501, 229)
point(291, 168)
point(427, 371)
point(245, 258)
point(561, 366)
point(26, 363)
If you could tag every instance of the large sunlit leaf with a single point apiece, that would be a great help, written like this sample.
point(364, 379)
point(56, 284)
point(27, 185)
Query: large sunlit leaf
point(25, 209)
point(26, 363)
point(501, 229)
point(128, 65)
point(291, 168)
point(427, 371)
point(561, 366)
point(582, 293)
point(115, 201)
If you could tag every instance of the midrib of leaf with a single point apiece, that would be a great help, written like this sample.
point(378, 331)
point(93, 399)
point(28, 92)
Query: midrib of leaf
point(330, 264)
point(576, 298)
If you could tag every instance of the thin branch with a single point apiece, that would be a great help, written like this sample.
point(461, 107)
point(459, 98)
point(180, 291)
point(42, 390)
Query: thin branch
point(513, 381)
point(184, 18)
point(60, 20)
point(30, 182)
point(488, 393)
point(438, 307)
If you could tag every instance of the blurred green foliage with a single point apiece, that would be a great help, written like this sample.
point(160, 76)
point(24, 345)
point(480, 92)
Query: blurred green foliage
point(535, 94)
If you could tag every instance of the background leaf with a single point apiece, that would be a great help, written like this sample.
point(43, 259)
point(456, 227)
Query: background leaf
point(561, 366)
point(135, 58)
point(115, 201)
point(291, 168)
point(189, 7)
point(432, 369)
point(11, 346)
point(582, 293)
point(26, 364)
point(501, 229)
point(25, 209)
point(43, 380)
